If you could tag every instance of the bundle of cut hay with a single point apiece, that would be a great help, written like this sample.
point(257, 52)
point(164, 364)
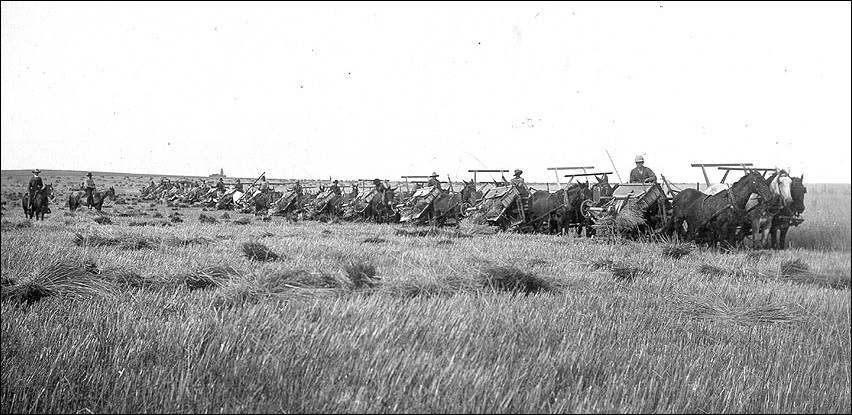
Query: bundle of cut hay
point(511, 279)
point(122, 240)
point(361, 274)
point(214, 276)
point(257, 251)
point(62, 278)
point(103, 220)
point(713, 270)
point(757, 255)
point(207, 219)
point(71, 214)
point(797, 271)
point(242, 221)
point(374, 240)
point(176, 219)
point(186, 241)
point(626, 273)
point(600, 263)
point(416, 232)
point(16, 225)
point(628, 219)
point(716, 308)
point(225, 216)
point(677, 251)
point(158, 215)
point(124, 277)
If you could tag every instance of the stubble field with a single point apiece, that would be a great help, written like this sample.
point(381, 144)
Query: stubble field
point(155, 315)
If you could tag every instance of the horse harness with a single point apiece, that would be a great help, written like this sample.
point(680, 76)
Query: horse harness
point(730, 205)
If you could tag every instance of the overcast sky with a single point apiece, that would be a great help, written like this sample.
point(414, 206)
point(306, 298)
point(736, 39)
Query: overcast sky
point(382, 90)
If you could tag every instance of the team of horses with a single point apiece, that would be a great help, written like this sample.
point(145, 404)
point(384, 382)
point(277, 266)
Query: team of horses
point(751, 206)
point(762, 208)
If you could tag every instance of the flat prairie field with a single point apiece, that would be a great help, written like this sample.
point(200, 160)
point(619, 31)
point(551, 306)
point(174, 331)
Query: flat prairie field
point(151, 308)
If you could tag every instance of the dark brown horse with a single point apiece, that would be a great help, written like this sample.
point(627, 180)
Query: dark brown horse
point(40, 203)
point(555, 212)
point(789, 214)
point(75, 199)
point(714, 218)
point(469, 195)
point(381, 207)
point(447, 207)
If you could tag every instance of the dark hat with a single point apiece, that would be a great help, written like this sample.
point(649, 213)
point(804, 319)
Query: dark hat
point(518, 171)
point(89, 174)
point(377, 181)
point(335, 182)
point(36, 171)
point(434, 174)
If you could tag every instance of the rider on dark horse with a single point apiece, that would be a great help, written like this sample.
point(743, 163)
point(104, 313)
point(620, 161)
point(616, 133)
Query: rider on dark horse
point(90, 190)
point(433, 181)
point(35, 186)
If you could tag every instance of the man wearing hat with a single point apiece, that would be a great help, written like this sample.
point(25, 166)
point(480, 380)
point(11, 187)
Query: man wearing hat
point(379, 186)
point(264, 186)
point(90, 190)
point(518, 181)
point(297, 188)
point(35, 186)
point(433, 181)
point(335, 188)
point(642, 174)
point(238, 186)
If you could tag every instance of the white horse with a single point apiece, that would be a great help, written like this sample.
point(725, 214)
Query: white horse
point(760, 214)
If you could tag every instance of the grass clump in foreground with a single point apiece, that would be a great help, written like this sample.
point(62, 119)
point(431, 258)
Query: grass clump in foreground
point(511, 279)
point(259, 252)
point(61, 278)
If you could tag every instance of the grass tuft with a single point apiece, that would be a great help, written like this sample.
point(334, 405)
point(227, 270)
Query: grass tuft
point(677, 251)
point(103, 220)
point(374, 240)
point(209, 277)
point(257, 251)
point(511, 279)
point(207, 219)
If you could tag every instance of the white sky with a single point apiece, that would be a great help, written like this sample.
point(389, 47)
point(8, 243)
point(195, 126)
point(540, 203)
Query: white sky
point(382, 90)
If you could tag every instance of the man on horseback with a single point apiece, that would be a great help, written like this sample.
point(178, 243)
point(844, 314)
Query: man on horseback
point(433, 181)
point(90, 190)
point(642, 174)
point(264, 186)
point(35, 186)
point(220, 185)
point(238, 186)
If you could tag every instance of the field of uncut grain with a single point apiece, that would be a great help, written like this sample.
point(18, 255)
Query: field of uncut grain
point(143, 313)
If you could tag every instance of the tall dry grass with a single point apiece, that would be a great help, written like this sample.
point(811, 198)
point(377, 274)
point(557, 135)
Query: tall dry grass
point(415, 325)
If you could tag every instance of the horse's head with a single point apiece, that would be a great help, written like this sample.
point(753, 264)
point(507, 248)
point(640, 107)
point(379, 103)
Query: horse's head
point(780, 185)
point(753, 182)
point(797, 191)
point(48, 191)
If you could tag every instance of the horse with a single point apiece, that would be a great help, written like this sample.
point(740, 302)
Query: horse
point(714, 218)
point(760, 214)
point(75, 199)
point(789, 213)
point(381, 207)
point(554, 212)
point(446, 206)
point(40, 203)
point(469, 195)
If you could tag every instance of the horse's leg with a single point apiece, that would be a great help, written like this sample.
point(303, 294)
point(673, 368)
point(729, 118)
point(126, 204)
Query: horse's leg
point(783, 242)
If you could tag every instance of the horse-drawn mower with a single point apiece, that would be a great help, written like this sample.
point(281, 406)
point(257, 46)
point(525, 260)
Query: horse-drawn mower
point(633, 209)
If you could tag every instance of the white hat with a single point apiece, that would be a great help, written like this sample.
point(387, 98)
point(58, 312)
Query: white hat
point(640, 159)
